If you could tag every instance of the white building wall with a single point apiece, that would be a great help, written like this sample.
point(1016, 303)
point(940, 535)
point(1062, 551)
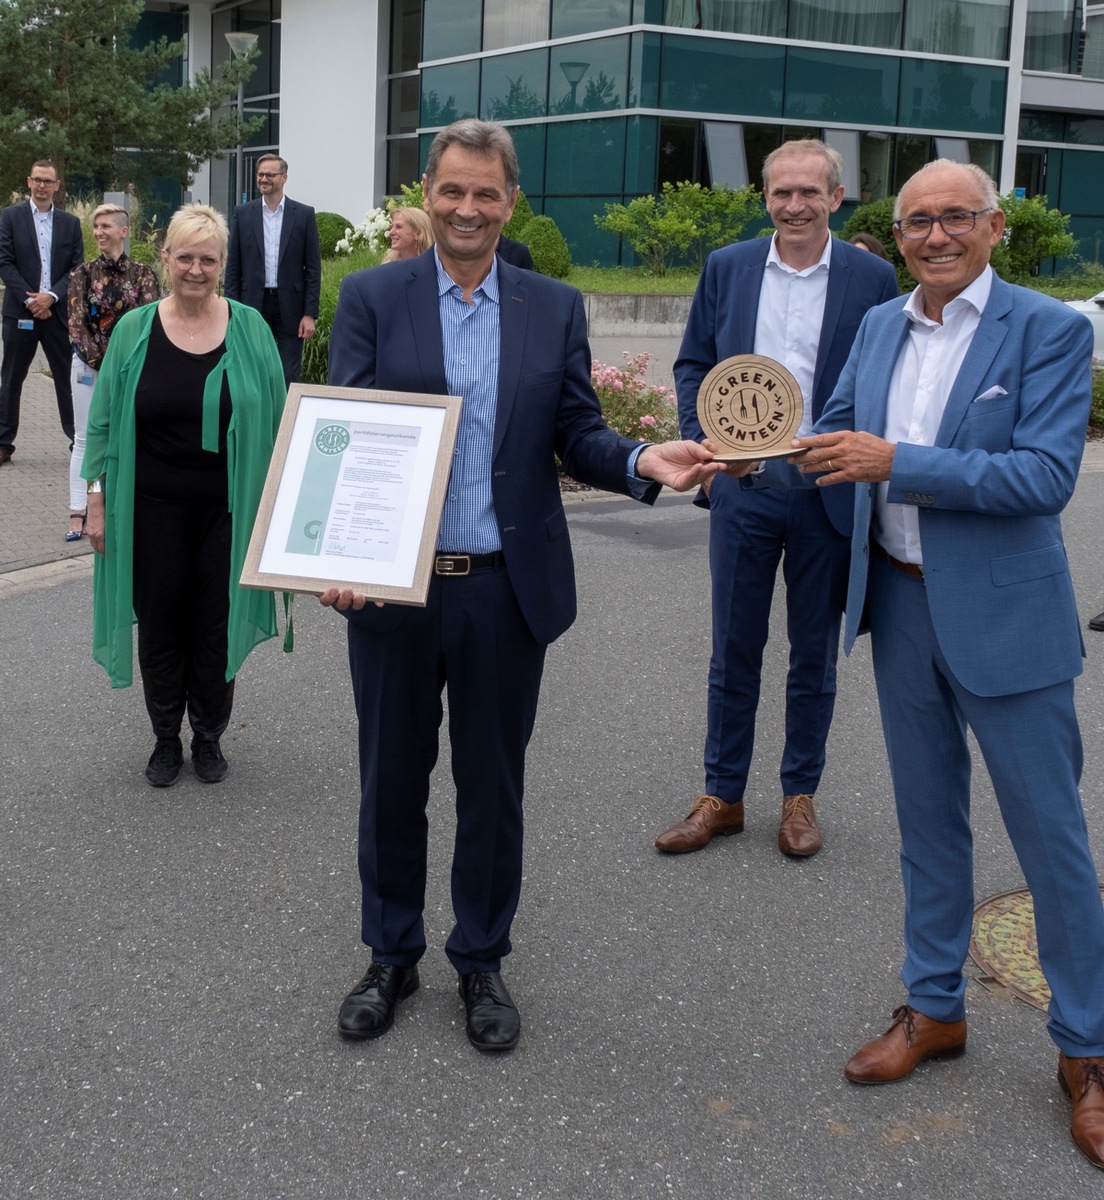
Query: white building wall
point(333, 102)
point(199, 59)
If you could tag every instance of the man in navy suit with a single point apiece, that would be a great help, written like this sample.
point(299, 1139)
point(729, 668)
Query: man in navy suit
point(798, 298)
point(39, 246)
point(273, 262)
point(961, 416)
point(459, 320)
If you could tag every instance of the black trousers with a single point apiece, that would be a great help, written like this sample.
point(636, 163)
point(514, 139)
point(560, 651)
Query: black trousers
point(182, 602)
point(290, 345)
point(20, 347)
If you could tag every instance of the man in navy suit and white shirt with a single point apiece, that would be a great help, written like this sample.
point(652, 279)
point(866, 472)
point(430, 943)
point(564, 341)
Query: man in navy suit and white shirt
point(798, 298)
point(961, 417)
point(459, 320)
point(39, 246)
point(273, 262)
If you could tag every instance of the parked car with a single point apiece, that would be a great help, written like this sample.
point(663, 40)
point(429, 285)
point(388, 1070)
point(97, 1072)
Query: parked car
point(1094, 310)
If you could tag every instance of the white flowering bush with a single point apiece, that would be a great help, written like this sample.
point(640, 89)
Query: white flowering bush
point(371, 234)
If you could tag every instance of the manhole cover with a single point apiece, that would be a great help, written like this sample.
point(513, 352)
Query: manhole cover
point(1003, 945)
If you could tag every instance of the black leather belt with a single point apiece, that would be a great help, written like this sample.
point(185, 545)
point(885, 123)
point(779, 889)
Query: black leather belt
point(463, 564)
point(272, 291)
point(912, 570)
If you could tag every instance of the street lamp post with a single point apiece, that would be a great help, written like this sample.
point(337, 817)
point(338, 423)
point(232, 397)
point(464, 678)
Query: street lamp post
point(573, 73)
point(240, 44)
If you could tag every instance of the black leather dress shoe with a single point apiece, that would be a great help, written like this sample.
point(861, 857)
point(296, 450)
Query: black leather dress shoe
point(369, 1009)
point(1097, 623)
point(5, 455)
point(494, 1022)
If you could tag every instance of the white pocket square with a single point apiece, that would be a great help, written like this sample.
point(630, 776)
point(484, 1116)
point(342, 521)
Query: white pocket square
point(991, 394)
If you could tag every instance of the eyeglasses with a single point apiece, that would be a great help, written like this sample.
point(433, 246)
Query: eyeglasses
point(269, 174)
point(954, 224)
point(186, 261)
point(45, 182)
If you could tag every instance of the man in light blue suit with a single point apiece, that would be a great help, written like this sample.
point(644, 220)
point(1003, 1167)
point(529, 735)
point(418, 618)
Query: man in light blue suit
point(798, 298)
point(961, 415)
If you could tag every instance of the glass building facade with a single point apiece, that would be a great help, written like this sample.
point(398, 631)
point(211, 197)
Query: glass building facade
point(608, 101)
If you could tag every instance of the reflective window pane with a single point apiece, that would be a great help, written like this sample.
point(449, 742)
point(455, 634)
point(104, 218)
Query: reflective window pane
point(449, 93)
point(586, 157)
point(700, 75)
point(952, 96)
point(588, 76)
point(813, 85)
point(847, 22)
point(509, 23)
point(515, 86)
point(584, 16)
point(1052, 35)
point(451, 27)
point(974, 28)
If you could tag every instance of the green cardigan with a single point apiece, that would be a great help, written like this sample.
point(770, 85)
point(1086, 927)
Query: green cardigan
point(257, 393)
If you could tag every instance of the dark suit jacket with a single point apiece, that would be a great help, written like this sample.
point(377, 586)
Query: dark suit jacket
point(515, 252)
point(298, 273)
point(387, 334)
point(722, 323)
point(21, 264)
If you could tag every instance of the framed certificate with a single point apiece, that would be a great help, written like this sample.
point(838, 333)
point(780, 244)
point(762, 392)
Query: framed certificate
point(354, 493)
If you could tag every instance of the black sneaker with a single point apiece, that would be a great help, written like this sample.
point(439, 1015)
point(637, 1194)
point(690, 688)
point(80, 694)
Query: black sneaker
point(165, 762)
point(207, 761)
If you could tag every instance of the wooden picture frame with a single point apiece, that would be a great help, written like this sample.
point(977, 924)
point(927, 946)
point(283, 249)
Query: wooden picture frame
point(354, 493)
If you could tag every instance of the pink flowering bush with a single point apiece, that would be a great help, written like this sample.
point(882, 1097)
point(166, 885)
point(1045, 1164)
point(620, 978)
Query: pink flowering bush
point(637, 409)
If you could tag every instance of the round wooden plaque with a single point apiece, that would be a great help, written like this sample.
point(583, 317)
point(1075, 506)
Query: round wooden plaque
point(750, 407)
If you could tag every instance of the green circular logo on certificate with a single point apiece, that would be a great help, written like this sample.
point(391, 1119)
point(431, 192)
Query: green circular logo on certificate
point(332, 439)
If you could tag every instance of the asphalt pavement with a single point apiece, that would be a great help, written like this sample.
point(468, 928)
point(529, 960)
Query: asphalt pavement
point(171, 962)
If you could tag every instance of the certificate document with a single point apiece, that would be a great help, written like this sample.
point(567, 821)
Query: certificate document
point(354, 493)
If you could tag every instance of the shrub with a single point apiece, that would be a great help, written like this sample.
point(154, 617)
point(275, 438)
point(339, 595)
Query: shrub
point(1096, 411)
point(523, 214)
point(1033, 234)
point(331, 229)
point(685, 219)
point(877, 219)
point(548, 247)
point(633, 407)
point(316, 350)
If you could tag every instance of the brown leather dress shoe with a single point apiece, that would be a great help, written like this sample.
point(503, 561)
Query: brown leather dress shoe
point(708, 817)
point(5, 455)
point(910, 1040)
point(1082, 1079)
point(798, 831)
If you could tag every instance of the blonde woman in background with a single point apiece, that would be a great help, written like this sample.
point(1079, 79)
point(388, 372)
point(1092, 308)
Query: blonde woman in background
point(411, 234)
point(100, 292)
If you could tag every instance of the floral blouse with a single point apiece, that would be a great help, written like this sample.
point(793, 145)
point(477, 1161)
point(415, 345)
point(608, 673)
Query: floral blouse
point(100, 292)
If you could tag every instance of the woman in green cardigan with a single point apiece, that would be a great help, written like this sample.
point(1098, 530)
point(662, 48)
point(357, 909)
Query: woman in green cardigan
point(180, 432)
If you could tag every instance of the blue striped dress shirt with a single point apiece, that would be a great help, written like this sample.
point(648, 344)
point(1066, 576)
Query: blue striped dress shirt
point(471, 335)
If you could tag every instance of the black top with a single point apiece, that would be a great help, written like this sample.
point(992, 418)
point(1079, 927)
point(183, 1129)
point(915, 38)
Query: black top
point(170, 462)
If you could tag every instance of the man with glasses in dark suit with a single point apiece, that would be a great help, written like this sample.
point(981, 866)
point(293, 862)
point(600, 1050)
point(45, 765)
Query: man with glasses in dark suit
point(39, 246)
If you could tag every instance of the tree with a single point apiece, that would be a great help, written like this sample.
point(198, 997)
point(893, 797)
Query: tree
point(79, 91)
point(685, 219)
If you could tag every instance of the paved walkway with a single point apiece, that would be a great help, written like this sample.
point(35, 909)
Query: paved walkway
point(171, 962)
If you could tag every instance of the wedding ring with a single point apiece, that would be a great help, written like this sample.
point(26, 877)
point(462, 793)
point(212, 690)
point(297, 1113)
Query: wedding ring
point(829, 462)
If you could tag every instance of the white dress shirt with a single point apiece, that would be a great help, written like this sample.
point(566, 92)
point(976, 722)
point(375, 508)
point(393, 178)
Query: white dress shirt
point(44, 229)
point(791, 305)
point(273, 224)
point(923, 376)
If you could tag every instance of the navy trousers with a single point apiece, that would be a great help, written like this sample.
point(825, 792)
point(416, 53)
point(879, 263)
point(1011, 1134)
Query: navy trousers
point(750, 531)
point(471, 643)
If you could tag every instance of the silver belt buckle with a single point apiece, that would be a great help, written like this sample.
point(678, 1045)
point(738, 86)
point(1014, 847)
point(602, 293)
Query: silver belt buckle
point(452, 564)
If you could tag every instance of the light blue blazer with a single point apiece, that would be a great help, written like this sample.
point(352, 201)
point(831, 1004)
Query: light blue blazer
point(990, 490)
